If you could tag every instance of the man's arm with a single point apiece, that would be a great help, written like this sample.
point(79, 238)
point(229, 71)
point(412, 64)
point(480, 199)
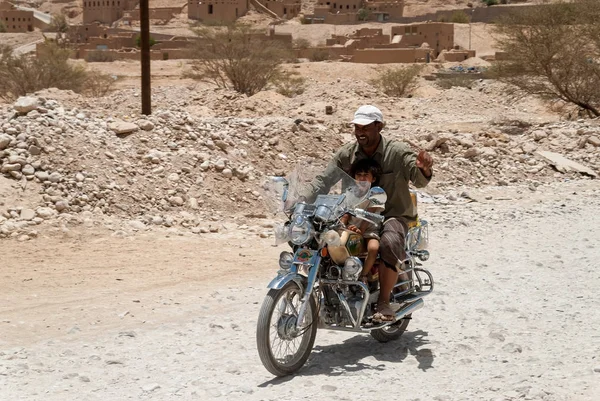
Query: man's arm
point(323, 182)
point(418, 168)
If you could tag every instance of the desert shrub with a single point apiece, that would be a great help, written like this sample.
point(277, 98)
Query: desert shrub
point(363, 14)
point(305, 21)
point(554, 51)
point(319, 55)
point(138, 41)
point(463, 81)
point(237, 57)
point(59, 23)
point(289, 84)
point(301, 43)
point(23, 74)
point(459, 17)
point(490, 3)
point(100, 56)
point(399, 81)
point(2, 27)
point(98, 84)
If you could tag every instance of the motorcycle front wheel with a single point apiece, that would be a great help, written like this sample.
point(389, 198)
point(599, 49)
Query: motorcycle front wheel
point(282, 348)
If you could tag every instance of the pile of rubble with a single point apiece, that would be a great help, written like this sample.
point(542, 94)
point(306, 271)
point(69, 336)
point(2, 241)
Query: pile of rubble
point(173, 169)
point(169, 169)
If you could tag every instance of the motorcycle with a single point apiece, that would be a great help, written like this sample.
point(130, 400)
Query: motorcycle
point(317, 284)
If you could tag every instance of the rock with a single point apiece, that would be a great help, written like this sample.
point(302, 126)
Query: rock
point(27, 214)
point(28, 169)
point(471, 153)
point(42, 175)
point(5, 140)
point(436, 143)
point(150, 387)
point(512, 348)
point(122, 127)
point(176, 201)
point(539, 134)
point(205, 165)
point(17, 159)
point(173, 177)
point(61, 206)
point(193, 202)
point(25, 104)
point(10, 167)
point(138, 225)
point(79, 177)
point(145, 125)
point(597, 369)
point(45, 212)
point(528, 148)
point(220, 165)
point(593, 140)
point(227, 173)
point(55, 177)
point(34, 150)
point(565, 165)
point(221, 144)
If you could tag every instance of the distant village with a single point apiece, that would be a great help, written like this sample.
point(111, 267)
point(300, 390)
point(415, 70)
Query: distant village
point(97, 38)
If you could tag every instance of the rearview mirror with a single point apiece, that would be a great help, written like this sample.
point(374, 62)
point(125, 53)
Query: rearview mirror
point(377, 196)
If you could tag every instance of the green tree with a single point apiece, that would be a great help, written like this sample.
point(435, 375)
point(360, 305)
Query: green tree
point(238, 57)
point(59, 23)
point(399, 81)
point(554, 51)
point(363, 14)
point(23, 74)
point(138, 41)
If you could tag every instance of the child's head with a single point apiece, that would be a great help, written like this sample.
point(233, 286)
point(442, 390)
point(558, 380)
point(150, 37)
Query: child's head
point(366, 170)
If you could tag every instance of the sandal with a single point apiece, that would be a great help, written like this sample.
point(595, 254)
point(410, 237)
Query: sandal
point(384, 313)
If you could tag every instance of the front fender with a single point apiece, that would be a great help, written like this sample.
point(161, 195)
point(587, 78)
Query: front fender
point(278, 282)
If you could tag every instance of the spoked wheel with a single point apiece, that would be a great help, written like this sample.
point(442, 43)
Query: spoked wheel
point(283, 349)
point(391, 332)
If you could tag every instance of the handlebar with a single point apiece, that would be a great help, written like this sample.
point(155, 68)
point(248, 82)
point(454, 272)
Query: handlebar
point(363, 214)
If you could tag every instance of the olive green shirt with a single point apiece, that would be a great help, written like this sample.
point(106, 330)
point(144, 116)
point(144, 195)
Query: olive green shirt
point(398, 163)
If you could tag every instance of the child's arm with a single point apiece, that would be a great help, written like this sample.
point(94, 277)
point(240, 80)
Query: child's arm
point(344, 219)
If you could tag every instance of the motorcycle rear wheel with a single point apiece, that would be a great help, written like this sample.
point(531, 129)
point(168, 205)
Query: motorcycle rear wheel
point(391, 332)
point(282, 350)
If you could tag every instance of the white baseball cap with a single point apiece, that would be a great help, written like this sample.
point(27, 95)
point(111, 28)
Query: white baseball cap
point(367, 114)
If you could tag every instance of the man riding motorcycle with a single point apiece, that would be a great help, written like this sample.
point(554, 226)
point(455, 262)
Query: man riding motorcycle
point(400, 166)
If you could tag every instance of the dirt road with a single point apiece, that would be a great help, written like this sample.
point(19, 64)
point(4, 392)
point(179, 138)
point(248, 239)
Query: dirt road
point(515, 314)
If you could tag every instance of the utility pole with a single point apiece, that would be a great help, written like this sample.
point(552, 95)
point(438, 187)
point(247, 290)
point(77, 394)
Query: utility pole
point(470, 22)
point(145, 44)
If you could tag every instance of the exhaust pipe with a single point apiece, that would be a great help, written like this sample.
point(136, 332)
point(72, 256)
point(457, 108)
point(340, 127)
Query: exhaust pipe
point(410, 308)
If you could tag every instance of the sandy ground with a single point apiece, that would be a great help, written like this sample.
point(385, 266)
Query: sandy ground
point(87, 316)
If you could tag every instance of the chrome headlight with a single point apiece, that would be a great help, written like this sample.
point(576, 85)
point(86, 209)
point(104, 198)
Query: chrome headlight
point(352, 268)
point(285, 260)
point(301, 230)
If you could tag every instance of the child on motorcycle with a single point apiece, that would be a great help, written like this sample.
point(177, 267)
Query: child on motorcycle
point(366, 170)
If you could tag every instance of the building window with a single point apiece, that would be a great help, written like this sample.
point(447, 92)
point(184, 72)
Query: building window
point(210, 8)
